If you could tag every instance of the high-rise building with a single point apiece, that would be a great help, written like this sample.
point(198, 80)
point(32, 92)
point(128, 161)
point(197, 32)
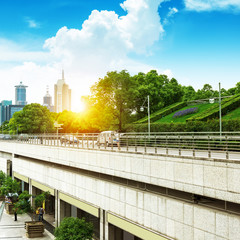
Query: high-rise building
point(20, 94)
point(3, 105)
point(47, 101)
point(62, 95)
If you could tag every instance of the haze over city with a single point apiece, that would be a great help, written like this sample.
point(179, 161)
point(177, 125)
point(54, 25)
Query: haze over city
point(194, 41)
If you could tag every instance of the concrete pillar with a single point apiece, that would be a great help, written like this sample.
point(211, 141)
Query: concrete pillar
point(102, 224)
point(58, 210)
point(106, 228)
point(73, 211)
point(22, 182)
point(30, 190)
point(56, 207)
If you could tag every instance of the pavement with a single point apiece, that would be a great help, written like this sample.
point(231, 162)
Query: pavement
point(14, 230)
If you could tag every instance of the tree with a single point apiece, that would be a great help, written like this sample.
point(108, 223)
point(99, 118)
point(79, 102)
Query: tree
point(22, 204)
point(114, 96)
point(73, 229)
point(9, 186)
point(34, 118)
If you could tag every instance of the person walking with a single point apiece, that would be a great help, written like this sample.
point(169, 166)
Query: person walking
point(41, 212)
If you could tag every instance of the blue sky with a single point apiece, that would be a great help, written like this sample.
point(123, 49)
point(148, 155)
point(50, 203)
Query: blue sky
point(195, 41)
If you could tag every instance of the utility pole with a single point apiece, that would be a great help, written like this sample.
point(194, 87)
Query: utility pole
point(220, 111)
point(148, 116)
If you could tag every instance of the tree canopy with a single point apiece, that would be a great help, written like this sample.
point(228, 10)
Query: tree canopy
point(34, 118)
point(73, 229)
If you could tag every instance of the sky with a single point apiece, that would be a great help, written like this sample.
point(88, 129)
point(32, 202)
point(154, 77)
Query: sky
point(194, 41)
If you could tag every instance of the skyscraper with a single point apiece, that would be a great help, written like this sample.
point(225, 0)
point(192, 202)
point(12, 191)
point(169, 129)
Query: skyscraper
point(47, 101)
point(62, 95)
point(20, 94)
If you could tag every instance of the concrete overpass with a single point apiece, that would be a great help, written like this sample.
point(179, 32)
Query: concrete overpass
point(131, 195)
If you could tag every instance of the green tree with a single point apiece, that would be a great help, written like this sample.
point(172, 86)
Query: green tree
point(3, 176)
point(74, 229)
point(22, 204)
point(114, 96)
point(9, 186)
point(34, 118)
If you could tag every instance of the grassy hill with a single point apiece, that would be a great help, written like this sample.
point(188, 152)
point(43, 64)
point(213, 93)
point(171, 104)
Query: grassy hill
point(201, 108)
point(230, 110)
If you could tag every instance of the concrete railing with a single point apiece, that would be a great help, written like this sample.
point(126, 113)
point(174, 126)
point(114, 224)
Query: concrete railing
point(204, 145)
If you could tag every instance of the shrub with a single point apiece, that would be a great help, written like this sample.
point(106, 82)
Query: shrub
point(191, 126)
point(74, 229)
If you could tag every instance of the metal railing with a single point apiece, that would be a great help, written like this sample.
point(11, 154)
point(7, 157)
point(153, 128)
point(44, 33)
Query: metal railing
point(193, 144)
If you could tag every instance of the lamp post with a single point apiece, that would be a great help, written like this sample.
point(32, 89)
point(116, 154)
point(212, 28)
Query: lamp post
point(142, 109)
point(220, 111)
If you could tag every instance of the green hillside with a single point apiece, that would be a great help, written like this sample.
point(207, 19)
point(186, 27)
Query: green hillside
point(235, 114)
point(201, 108)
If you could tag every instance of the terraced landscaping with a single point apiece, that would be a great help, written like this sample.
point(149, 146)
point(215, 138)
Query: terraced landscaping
point(201, 108)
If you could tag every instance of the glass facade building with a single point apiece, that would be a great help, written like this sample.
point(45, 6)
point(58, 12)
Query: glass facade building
point(20, 94)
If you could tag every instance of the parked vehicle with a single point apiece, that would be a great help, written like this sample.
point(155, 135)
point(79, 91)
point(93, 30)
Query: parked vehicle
point(68, 139)
point(23, 137)
point(108, 138)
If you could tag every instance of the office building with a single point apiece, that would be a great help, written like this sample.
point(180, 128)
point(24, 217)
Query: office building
point(11, 109)
point(47, 101)
point(20, 94)
point(62, 95)
point(3, 105)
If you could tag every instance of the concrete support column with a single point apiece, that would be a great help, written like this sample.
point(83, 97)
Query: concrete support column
point(73, 211)
point(22, 185)
point(105, 225)
point(58, 210)
point(30, 190)
point(56, 207)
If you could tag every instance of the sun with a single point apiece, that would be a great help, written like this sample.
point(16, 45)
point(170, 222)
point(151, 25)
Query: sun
point(79, 106)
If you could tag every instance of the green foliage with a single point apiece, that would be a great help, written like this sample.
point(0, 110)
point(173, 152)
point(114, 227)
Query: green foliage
point(191, 126)
point(235, 114)
point(34, 118)
point(74, 229)
point(9, 186)
point(227, 105)
point(38, 202)
point(163, 112)
point(3, 176)
point(23, 203)
point(169, 118)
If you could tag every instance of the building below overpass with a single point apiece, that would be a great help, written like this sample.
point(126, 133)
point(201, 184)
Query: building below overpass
point(132, 196)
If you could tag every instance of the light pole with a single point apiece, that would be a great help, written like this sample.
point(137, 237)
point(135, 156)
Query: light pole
point(142, 109)
point(220, 111)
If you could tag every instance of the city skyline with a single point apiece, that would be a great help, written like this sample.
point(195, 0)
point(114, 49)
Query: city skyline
point(195, 41)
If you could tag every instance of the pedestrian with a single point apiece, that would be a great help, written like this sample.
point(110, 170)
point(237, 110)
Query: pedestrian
point(41, 212)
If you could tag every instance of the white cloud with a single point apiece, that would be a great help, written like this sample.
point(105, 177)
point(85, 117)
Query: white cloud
point(103, 44)
point(171, 13)
point(31, 23)
point(210, 5)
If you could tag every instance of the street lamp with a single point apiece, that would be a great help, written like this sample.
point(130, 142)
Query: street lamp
point(220, 111)
point(142, 109)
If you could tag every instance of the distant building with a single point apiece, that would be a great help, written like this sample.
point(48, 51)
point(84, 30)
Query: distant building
point(47, 101)
point(11, 109)
point(7, 110)
point(20, 94)
point(3, 105)
point(62, 95)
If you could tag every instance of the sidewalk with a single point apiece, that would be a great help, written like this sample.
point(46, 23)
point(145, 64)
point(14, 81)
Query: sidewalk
point(11, 230)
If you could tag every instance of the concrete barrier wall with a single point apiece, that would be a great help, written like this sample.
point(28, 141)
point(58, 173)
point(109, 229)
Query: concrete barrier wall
point(176, 219)
point(211, 178)
point(3, 164)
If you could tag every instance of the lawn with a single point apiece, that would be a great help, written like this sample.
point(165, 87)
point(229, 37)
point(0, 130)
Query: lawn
point(235, 114)
point(201, 107)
